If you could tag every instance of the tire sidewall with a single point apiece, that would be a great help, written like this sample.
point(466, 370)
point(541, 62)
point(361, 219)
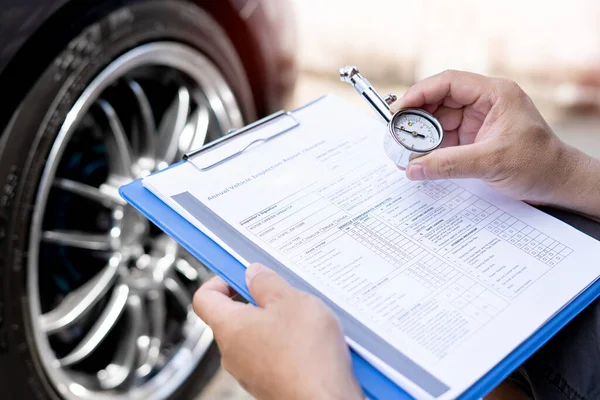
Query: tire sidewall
point(30, 135)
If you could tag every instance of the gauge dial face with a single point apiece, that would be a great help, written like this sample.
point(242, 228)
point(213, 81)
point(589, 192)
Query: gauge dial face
point(416, 130)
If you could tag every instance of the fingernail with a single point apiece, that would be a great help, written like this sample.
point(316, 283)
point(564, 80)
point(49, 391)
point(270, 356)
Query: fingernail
point(396, 104)
point(415, 172)
point(253, 270)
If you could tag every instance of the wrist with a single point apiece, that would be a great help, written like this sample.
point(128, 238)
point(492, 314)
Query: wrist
point(329, 394)
point(577, 180)
point(344, 389)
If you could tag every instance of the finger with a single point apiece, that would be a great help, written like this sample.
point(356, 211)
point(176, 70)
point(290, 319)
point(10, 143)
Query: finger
point(450, 118)
point(431, 108)
point(450, 139)
point(265, 285)
point(468, 161)
point(460, 88)
point(213, 303)
point(217, 284)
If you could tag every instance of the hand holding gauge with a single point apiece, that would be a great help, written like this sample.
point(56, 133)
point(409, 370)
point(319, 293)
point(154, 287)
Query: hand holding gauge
point(411, 132)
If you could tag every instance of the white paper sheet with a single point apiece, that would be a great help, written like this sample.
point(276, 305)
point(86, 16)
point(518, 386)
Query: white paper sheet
point(450, 273)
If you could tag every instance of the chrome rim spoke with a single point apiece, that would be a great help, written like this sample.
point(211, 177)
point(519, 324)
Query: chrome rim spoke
point(79, 302)
point(186, 269)
point(117, 145)
point(103, 325)
point(203, 273)
point(157, 316)
point(148, 128)
point(172, 126)
point(121, 368)
point(143, 342)
point(82, 240)
point(196, 131)
point(107, 198)
point(181, 295)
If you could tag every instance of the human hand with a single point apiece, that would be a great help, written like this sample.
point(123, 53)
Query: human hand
point(290, 346)
point(493, 132)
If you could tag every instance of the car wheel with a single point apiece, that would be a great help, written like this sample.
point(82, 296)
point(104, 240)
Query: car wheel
point(95, 303)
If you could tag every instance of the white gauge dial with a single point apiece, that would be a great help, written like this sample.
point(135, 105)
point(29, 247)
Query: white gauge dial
point(416, 130)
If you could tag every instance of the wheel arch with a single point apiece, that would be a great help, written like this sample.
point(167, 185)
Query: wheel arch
point(32, 51)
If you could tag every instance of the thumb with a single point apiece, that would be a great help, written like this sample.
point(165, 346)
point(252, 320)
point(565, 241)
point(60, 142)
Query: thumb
point(265, 285)
point(468, 161)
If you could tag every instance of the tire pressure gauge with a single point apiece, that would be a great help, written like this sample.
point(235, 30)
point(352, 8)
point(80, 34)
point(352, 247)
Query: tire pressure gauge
point(411, 133)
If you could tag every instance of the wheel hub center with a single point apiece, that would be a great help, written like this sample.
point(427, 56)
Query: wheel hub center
point(130, 227)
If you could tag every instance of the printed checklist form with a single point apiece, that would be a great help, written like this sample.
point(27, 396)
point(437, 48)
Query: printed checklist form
point(434, 282)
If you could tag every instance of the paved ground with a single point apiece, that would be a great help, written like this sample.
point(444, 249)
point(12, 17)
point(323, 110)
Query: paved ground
point(580, 131)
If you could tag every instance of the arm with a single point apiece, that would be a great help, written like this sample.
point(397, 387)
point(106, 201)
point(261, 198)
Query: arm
point(580, 190)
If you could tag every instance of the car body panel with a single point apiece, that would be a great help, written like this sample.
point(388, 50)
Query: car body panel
point(260, 30)
point(19, 20)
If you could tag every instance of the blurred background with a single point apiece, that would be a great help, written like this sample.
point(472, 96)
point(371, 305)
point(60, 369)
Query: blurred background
point(552, 49)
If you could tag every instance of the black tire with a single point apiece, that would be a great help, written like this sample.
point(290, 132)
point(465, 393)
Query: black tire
point(107, 31)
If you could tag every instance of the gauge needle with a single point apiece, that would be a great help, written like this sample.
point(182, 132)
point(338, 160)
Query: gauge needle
point(411, 133)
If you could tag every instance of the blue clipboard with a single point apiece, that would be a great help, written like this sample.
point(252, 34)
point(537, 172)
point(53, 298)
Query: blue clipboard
point(374, 383)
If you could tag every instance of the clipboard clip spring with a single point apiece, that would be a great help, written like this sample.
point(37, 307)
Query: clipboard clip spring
point(236, 133)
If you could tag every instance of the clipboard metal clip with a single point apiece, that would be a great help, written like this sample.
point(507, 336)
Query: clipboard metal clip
point(279, 122)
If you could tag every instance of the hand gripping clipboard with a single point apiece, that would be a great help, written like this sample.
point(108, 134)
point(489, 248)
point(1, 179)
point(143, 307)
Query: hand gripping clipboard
point(374, 383)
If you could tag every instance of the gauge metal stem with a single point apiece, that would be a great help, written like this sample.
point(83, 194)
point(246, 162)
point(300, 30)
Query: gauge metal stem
point(363, 87)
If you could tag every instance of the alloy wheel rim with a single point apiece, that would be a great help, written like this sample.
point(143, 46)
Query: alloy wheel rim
point(133, 296)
